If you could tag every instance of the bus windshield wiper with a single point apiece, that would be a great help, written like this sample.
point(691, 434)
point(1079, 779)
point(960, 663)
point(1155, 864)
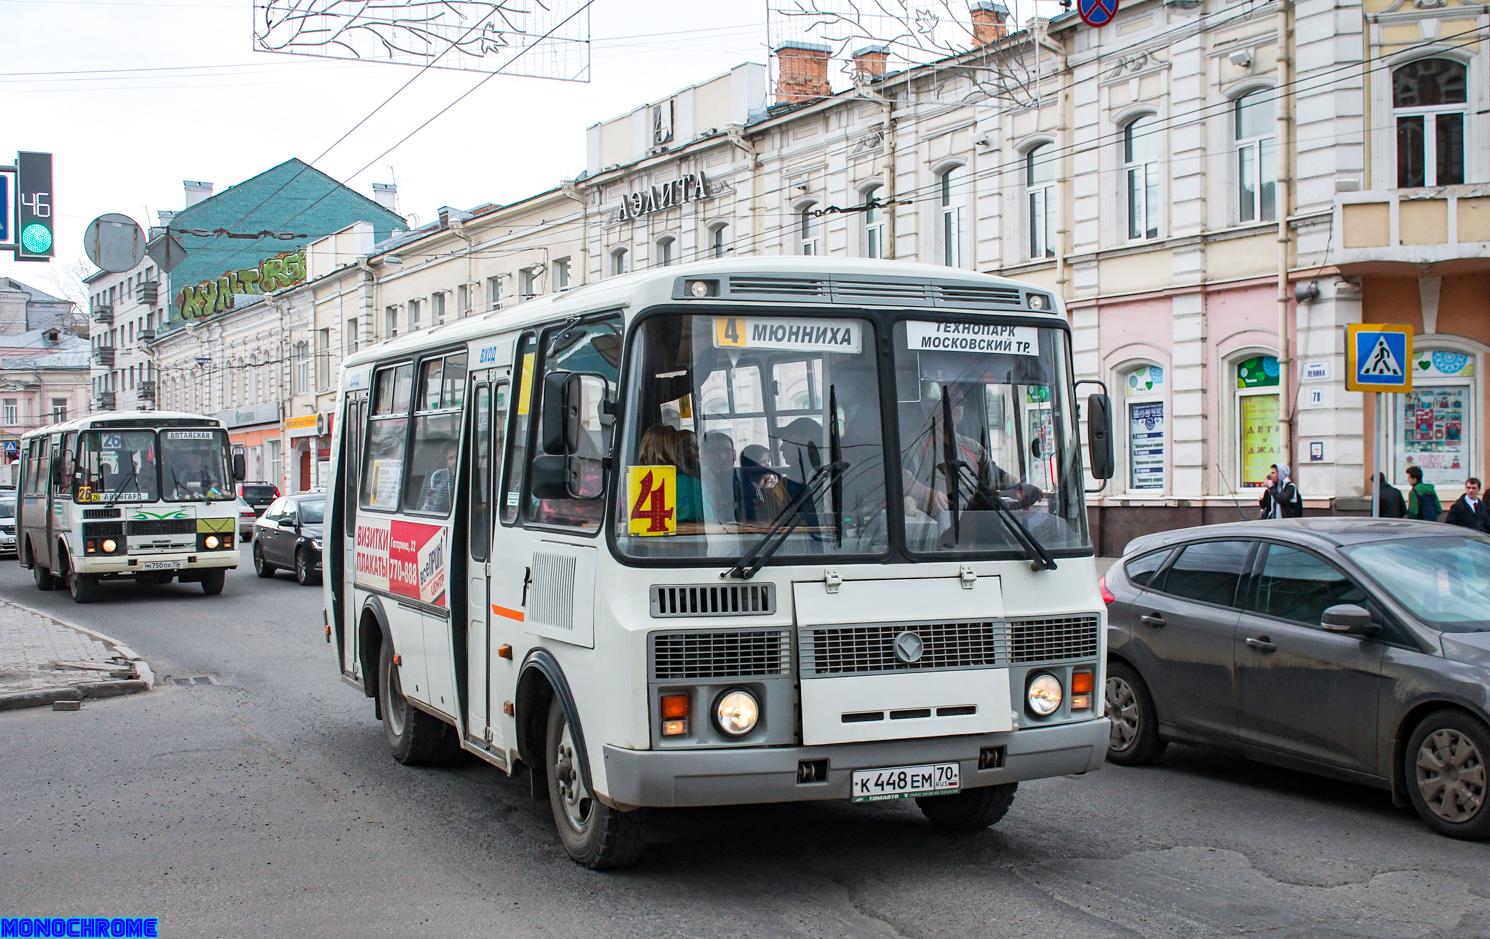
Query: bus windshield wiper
point(119, 489)
point(784, 523)
point(1040, 558)
point(835, 455)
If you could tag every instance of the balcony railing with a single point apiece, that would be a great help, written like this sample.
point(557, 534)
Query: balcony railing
point(104, 355)
point(1412, 226)
point(103, 401)
point(145, 335)
point(145, 390)
point(103, 313)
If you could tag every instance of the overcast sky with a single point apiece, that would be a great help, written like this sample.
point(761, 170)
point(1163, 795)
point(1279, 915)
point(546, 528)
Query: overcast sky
point(134, 96)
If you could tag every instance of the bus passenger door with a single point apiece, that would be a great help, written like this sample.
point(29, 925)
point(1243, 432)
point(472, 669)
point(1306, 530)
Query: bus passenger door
point(350, 481)
point(483, 697)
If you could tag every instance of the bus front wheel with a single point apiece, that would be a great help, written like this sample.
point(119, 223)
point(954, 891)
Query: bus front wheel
point(84, 587)
point(594, 834)
point(213, 581)
point(969, 810)
point(416, 738)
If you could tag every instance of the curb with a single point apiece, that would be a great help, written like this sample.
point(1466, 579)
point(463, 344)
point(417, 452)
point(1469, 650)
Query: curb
point(83, 690)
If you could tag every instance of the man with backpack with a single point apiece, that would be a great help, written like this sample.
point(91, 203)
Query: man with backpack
point(1281, 498)
point(1422, 498)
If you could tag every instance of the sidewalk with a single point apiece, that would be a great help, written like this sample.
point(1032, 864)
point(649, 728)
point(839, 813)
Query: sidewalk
point(44, 660)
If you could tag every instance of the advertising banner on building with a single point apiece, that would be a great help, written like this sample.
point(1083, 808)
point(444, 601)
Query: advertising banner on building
point(406, 559)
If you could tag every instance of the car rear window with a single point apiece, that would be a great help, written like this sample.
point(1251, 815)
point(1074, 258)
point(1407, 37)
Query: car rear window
point(1208, 571)
point(1141, 570)
point(258, 492)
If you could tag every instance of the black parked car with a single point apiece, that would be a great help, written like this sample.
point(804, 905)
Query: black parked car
point(258, 494)
point(288, 535)
point(1354, 648)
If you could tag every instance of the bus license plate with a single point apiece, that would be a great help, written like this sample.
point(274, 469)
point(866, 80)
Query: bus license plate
point(906, 782)
point(161, 565)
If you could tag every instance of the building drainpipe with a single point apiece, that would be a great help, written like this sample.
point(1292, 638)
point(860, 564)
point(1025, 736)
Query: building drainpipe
point(570, 189)
point(1063, 135)
point(1285, 206)
point(369, 303)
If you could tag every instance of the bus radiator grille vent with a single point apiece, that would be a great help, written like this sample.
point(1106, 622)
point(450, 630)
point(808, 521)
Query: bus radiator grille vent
point(779, 286)
point(162, 526)
point(103, 529)
point(977, 295)
point(843, 650)
point(552, 602)
point(868, 291)
point(1052, 638)
point(758, 653)
point(713, 600)
point(101, 513)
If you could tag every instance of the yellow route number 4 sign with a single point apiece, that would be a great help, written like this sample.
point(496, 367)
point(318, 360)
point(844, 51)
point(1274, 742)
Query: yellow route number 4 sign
point(652, 498)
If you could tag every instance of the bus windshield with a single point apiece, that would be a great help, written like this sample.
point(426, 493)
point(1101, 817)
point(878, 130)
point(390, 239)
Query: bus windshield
point(194, 466)
point(987, 437)
point(117, 466)
point(738, 423)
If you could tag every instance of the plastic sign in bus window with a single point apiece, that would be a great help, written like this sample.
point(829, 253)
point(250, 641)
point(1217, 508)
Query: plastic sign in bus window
point(790, 334)
point(387, 475)
point(922, 336)
point(525, 385)
point(652, 494)
point(1378, 358)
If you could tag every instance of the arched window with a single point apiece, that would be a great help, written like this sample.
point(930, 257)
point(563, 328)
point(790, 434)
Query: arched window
point(1256, 419)
point(1039, 181)
point(719, 240)
point(1256, 156)
point(874, 224)
point(666, 251)
point(1141, 155)
point(807, 230)
point(620, 261)
point(1433, 426)
point(953, 191)
point(1429, 100)
point(1143, 395)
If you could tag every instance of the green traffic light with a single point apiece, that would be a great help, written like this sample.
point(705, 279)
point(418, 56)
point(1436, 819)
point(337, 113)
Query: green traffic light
point(36, 238)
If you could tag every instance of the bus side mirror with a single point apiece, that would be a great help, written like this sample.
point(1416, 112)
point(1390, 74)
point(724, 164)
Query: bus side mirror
point(561, 404)
point(240, 467)
point(1099, 435)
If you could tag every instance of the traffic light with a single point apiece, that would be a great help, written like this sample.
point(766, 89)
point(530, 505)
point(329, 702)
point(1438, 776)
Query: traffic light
point(34, 212)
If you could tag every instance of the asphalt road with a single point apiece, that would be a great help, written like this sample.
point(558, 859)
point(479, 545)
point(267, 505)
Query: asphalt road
point(265, 803)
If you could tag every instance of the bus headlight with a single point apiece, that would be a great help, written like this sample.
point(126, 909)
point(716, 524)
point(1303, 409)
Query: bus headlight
point(737, 713)
point(1044, 694)
point(109, 545)
point(213, 542)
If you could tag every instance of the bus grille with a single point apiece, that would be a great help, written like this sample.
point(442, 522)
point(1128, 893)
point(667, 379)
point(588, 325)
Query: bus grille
point(739, 654)
point(713, 600)
point(162, 526)
point(101, 513)
point(1052, 638)
point(843, 650)
point(103, 529)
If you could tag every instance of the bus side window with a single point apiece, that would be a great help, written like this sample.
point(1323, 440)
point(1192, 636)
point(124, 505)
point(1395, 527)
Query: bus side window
point(434, 461)
point(351, 462)
point(517, 439)
point(387, 438)
point(69, 458)
point(480, 478)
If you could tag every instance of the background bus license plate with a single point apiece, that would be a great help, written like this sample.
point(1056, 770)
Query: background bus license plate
point(160, 565)
point(904, 782)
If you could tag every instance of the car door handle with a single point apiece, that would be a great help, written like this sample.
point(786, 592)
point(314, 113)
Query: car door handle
point(1152, 619)
point(1261, 644)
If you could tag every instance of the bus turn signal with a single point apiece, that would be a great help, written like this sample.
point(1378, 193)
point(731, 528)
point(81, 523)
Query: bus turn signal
point(674, 715)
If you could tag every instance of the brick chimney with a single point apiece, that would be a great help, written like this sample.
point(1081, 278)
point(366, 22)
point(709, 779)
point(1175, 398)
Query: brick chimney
point(870, 63)
point(990, 22)
point(801, 72)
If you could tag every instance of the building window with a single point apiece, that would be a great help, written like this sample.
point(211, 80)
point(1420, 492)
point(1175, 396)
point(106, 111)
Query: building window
point(807, 230)
point(719, 240)
point(276, 464)
point(1256, 157)
point(300, 373)
point(390, 321)
point(1256, 419)
point(527, 282)
point(414, 314)
point(666, 251)
point(59, 410)
point(463, 300)
point(323, 358)
point(349, 337)
point(620, 261)
point(1429, 98)
point(874, 224)
point(494, 293)
point(561, 274)
point(1143, 395)
point(952, 188)
point(1432, 426)
point(12, 412)
point(437, 308)
point(1039, 183)
point(1141, 156)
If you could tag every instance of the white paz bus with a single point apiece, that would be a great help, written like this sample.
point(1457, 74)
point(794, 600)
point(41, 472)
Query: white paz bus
point(140, 495)
point(758, 530)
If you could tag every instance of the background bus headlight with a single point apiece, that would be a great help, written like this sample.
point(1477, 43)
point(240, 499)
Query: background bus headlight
point(109, 545)
point(1044, 694)
point(737, 713)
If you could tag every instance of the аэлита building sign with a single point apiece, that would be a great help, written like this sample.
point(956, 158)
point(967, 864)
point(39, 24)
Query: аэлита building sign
point(211, 297)
point(689, 188)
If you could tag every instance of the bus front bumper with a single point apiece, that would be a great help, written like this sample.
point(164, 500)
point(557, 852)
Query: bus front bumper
point(159, 563)
point(659, 778)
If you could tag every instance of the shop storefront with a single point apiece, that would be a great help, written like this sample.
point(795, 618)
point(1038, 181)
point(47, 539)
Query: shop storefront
point(254, 431)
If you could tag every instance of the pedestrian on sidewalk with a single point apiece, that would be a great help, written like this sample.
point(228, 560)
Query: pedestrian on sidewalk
point(1392, 503)
point(1422, 498)
point(1469, 511)
point(1281, 498)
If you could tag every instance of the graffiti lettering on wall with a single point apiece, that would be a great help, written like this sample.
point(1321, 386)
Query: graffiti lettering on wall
point(211, 297)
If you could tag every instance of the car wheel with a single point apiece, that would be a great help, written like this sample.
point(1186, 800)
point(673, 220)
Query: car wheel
point(594, 834)
point(1135, 739)
point(1446, 774)
point(416, 738)
point(304, 575)
point(213, 581)
point(262, 567)
point(84, 587)
point(969, 810)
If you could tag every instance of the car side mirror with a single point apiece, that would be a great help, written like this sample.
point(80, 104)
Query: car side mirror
point(1348, 618)
point(240, 467)
point(288, 523)
point(1099, 435)
point(561, 403)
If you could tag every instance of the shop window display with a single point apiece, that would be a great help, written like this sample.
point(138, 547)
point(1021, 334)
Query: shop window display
point(1256, 419)
point(1433, 423)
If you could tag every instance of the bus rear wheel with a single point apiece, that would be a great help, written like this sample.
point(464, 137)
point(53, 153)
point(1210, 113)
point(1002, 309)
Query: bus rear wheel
point(84, 587)
point(594, 834)
point(416, 738)
point(40, 573)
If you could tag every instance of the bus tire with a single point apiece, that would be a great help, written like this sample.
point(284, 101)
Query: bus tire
point(84, 587)
point(969, 810)
point(262, 567)
point(213, 581)
point(416, 738)
point(594, 834)
point(40, 573)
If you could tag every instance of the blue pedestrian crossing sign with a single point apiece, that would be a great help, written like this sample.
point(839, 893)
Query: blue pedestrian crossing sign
point(1378, 358)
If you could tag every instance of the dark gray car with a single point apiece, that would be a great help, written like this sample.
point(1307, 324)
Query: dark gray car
point(1354, 648)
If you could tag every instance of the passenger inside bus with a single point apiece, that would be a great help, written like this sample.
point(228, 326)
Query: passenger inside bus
point(439, 485)
point(663, 445)
point(191, 474)
point(717, 477)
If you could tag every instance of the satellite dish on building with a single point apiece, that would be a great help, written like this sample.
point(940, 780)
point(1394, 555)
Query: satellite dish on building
point(114, 242)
